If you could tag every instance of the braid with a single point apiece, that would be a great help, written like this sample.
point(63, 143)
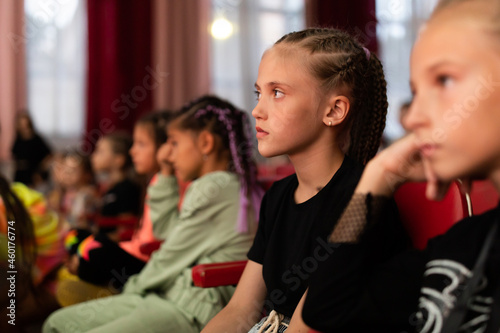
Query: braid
point(232, 126)
point(368, 126)
point(340, 63)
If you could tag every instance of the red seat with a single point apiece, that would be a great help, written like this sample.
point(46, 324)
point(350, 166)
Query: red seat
point(424, 218)
point(149, 248)
point(126, 224)
point(218, 274)
point(483, 196)
point(285, 170)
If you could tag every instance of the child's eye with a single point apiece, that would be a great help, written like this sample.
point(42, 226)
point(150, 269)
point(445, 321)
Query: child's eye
point(278, 94)
point(444, 80)
point(257, 94)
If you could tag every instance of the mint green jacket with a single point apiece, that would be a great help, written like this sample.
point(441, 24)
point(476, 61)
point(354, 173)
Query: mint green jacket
point(203, 231)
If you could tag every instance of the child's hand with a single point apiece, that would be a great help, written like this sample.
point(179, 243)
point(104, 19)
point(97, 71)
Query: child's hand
point(399, 163)
point(162, 156)
point(72, 264)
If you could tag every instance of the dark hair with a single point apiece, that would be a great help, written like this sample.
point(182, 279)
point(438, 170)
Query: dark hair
point(24, 232)
point(121, 143)
point(25, 114)
point(341, 63)
point(157, 122)
point(82, 159)
point(232, 126)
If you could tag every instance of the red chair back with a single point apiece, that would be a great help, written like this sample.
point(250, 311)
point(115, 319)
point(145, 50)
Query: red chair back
point(218, 274)
point(483, 196)
point(424, 218)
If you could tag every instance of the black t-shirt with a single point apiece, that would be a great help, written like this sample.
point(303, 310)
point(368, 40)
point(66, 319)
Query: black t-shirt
point(410, 292)
point(291, 238)
point(123, 198)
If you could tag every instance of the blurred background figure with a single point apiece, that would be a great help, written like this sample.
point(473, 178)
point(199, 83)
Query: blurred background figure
point(31, 154)
point(79, 200)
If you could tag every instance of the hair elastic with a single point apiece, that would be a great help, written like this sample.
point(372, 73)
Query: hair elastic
point(367, 52)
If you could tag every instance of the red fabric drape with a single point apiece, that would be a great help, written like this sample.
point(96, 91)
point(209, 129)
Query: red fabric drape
point(13, 99)
point(180, 46)
point(120, 75)
point(356, 17)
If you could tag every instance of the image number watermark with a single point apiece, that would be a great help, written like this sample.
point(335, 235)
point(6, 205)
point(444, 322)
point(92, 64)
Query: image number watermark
point(11, 272)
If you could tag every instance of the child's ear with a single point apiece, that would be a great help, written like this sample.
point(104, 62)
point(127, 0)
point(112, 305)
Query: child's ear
point(206, 142)
point(338, 109)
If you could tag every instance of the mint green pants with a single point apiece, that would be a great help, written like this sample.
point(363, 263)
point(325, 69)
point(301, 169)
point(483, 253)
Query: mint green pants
point(121, 314)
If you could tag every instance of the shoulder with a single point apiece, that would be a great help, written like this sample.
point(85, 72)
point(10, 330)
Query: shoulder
point(350, 172)
point(218, 180)
point(343, 183)
point(215, 186)
point(40, 140)
point(282, 186)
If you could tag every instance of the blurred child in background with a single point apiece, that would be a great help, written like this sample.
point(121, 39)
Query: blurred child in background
point(30, 152)
point(79, 198)
point(111, 160)
point(210, 146)
point(102, 265)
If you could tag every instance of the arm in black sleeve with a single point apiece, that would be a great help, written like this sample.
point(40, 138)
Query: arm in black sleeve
point(363, 286)
point(256, 252)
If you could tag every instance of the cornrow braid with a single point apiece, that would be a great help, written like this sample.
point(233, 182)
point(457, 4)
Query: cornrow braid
point(342, 64)
point(232, 126)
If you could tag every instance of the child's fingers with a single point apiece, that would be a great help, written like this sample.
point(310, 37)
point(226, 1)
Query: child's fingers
point(409, 161)
point(163, 153)
point(163, 158)
point(436, 189)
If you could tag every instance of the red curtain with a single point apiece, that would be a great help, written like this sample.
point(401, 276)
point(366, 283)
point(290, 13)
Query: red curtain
point(120, 75)
point(180, 46)
point(356, 17)
point(13, 68)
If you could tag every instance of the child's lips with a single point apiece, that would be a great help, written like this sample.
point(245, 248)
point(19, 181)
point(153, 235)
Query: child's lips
point(260, 132)
point(427, 150)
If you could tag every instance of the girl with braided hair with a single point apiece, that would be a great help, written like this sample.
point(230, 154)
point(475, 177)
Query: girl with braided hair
point(453, 285)
point(208, 144)
point(321, 101)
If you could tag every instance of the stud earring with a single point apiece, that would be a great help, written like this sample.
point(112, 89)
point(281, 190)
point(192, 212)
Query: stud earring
point(329, 123)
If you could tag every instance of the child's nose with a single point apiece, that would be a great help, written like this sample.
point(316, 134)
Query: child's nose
point(258, 111)
point(415, 117)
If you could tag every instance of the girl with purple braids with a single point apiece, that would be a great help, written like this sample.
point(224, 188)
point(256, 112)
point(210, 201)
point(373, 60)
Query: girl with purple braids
point(208, 144)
